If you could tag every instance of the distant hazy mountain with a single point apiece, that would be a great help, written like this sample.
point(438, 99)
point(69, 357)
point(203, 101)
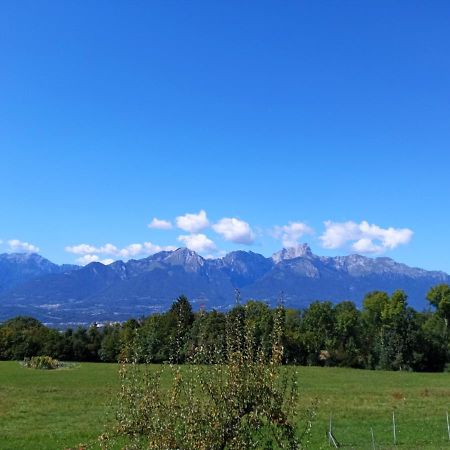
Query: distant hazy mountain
point(58, 295)
point(18, 268)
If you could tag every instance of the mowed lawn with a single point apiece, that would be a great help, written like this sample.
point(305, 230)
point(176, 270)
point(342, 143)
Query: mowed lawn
point(63, 408)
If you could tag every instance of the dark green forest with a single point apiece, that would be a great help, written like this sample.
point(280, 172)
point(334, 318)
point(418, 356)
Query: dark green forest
point(384, 334)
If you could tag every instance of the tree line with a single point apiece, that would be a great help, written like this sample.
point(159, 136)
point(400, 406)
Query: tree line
point(385, 334)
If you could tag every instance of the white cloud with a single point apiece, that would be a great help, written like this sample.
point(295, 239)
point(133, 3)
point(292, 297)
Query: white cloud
point(338, 234)
point(235, 230)
point(197, 242)
point(291, 233)
point(366, 245)
point(364, 237)
point(81, 249)
point(216, 254)
point(87, 259)
point(150, 248)
point(108, 249)
point(160, 224)
point(107, 261)
point(131, 250)
point(91, 253)
point(192, 222)
point(85, 249)
point(19, 246)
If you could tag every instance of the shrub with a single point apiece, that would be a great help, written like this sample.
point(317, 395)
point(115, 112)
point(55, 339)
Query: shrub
point(41, 362)
point(243, 400)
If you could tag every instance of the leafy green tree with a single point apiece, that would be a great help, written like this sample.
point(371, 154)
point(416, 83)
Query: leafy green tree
point(439, 297)
point(128, 335)
point(67, 347)
point(318, 332)
point(180, 318)
point(396, 333)
point(164, 337)
point(374, 304)
point(294, 350)
point(181, 309)
point(24, 337)
point(153, 339)
point(347, 335)
point(94, 342)
point(80, 341)
point(432, 347)
point(110, 343)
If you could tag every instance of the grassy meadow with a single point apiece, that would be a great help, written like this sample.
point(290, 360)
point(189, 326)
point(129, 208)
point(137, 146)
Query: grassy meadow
point(53, 409)
point(63, 408)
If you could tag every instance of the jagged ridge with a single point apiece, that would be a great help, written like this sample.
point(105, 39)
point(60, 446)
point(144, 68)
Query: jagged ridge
point(125, 289)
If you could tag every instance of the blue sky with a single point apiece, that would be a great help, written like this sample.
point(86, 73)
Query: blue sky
point(326, 122)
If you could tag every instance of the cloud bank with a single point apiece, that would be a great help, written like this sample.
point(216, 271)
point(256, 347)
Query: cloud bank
point(351, 236)
point(363, 237)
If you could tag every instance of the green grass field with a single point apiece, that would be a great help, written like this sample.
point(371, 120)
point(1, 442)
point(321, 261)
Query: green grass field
point(63, 408)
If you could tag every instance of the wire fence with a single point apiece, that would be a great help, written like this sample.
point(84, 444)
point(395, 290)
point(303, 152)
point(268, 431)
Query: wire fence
point(430, 431)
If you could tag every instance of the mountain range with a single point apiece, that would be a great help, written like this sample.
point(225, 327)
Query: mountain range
point(69, 295)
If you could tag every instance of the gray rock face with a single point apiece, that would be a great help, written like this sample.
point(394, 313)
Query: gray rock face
point(299, 251)
point(32, 285)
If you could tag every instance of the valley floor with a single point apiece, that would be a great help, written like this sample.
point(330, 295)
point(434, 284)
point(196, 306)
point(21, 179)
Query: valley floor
point(64, 408)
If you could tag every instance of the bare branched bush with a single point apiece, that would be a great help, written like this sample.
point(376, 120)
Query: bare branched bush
point(243, 399)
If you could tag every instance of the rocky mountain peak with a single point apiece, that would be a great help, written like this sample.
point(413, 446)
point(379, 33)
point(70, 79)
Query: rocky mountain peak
point(28, 261)
point(22, 257)
point(186, 257)
point(299, 251)
point(17, 268)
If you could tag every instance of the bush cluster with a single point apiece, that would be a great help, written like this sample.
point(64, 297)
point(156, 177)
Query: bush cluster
point(41, 362)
